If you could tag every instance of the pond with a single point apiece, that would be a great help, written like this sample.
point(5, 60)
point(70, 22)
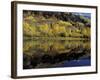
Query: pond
point(56, 53)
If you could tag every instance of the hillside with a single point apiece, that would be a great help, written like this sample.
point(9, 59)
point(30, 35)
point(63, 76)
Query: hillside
point(55, 24)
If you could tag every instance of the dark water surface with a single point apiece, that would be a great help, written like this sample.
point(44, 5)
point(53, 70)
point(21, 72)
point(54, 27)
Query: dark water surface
point(56, 53)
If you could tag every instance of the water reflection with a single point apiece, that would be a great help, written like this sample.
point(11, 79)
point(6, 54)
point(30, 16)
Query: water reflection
point(56, 53)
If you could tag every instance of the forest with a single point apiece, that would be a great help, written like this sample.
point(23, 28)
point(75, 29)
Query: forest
point(45, 24)
point(56, 39)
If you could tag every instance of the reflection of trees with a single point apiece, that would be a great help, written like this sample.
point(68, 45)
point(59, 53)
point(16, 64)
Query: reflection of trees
point(53, 46)
point(52, 52)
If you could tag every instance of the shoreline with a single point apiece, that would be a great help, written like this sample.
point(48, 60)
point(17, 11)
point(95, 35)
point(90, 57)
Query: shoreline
point(54, 38)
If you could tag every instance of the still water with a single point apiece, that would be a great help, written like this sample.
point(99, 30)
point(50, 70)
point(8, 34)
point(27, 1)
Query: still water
point(56, 53)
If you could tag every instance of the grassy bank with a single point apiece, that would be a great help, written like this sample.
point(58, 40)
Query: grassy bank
point(55, 38)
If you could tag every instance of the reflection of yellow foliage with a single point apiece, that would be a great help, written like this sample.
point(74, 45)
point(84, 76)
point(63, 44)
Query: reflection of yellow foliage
point(44, 47)
point(27, 46)
point(52, 46)
point(58, 46)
